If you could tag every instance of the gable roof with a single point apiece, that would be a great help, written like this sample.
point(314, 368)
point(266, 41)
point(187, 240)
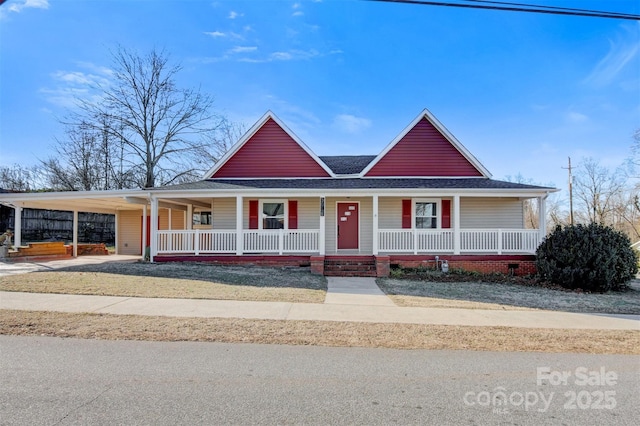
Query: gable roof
point(269, 150)
point(425, 148)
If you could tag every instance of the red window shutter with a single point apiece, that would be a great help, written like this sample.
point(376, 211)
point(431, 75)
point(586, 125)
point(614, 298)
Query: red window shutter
point(406, 214)
point(253, 214)
point(446, 213)
point(293, 214)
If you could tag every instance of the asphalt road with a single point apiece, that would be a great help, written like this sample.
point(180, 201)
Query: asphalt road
point(50, 381)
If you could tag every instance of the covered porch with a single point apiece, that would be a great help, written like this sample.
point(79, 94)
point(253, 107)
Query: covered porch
point(314, 228)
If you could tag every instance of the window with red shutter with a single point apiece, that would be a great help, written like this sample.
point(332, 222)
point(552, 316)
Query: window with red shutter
point(253, 214)
point(446, 213)
point(406, 214)
point(293, 214)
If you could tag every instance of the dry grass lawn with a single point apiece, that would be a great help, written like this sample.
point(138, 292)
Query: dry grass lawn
point(507, 296)
point(323, 333)
point(175, 280)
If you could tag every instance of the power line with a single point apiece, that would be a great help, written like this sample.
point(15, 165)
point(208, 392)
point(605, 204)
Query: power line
point(521, 7)
point(548, 7)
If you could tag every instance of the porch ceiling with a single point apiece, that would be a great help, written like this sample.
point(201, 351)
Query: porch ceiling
point(79, 202)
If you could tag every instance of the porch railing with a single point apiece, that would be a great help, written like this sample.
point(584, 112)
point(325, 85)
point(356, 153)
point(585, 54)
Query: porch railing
point(206, 241)
point(411, 241)
point(415, 241)
point(496, 241)
point(197, 241)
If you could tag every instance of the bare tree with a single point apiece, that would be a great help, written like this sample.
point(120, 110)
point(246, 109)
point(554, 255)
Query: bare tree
point(20, 178)
point(597, 190)
point(217, 143)
point(161, 128)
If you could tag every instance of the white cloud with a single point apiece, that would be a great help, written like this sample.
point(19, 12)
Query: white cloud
point(621, 52)
point(350, 123)
point(576, 117)
point(298, 13)
point(243, 49)
point(69, 86)
point(18, 6)
point(215, 34)
point(233, 14)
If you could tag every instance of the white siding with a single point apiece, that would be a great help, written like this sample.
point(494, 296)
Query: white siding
point(129, 232)
point(505, 213)
point(224, 213)
point(308, 213)
point(389, 213)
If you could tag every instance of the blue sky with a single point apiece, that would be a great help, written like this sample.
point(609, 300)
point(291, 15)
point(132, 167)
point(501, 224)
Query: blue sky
point(521, 91)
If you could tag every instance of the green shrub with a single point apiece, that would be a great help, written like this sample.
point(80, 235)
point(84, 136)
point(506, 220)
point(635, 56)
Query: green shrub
point(592, 257)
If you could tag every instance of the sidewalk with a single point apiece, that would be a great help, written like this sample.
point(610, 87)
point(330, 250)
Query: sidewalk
point(347, 299)
point(313, 312)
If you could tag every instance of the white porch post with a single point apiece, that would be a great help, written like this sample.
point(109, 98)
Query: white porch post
point(17, 224)
point(456, 224)
point(75, 233)
point(542, 216)
point(144, 230)
point(239, 235)
point(321, 236)
point(169, 227)
point(375, 225)
point(154, 228)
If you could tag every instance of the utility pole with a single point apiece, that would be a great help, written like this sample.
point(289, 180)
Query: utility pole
point(570, 192)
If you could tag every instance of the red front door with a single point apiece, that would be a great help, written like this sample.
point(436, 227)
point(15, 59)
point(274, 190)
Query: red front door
point(348, 226)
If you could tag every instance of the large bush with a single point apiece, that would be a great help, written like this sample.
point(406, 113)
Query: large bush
point(591, 257)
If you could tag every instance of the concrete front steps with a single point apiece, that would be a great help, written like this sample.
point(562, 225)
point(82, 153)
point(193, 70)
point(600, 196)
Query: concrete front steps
point(350, 266)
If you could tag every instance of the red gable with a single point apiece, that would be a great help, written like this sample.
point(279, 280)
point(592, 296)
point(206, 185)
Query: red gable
point(270, 152)
point(425, 151)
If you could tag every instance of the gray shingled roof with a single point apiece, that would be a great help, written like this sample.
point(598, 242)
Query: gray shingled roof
point(347, 164)
point(351, 183)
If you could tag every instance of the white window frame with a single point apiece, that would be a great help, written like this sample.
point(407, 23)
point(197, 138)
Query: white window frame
point(199, 213)
point(273, 201)
point(438, 203)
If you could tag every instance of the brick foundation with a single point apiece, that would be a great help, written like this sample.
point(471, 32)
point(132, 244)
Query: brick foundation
point(484, 264)
point(258, 260)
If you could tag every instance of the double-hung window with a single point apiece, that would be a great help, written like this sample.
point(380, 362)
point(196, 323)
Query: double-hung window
point(426, 214)
point(202, 218)
point(273, 215)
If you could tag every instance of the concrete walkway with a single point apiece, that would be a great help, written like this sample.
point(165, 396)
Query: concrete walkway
point(355, 291)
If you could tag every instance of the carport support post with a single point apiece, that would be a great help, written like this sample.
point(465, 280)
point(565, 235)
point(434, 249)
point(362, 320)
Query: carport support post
point(75, 233)
point(17, 224)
